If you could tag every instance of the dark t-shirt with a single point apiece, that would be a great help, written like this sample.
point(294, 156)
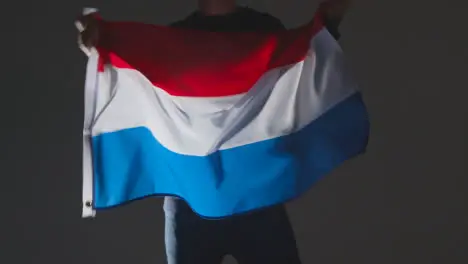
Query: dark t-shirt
point(244, 19)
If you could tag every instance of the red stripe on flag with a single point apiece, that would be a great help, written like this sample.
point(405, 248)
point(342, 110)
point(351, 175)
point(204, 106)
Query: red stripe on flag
point(186, 62)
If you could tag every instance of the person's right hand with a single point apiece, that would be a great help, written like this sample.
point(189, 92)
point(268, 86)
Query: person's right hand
point(89, 30)
point(335, 10)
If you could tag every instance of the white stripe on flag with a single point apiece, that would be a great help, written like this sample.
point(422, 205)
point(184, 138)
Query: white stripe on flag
point(293, 96)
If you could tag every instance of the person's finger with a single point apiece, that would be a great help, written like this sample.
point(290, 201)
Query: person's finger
point(80, 25)
point(82, 22)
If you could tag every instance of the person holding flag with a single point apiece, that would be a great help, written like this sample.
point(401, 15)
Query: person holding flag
point(261, 236)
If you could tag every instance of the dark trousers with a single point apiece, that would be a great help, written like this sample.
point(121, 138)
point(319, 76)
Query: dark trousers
point(261, 237)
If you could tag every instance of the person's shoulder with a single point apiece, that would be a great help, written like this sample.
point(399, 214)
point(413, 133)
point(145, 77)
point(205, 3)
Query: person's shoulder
point(177, 23)
point(182, 22)
point(263, 18)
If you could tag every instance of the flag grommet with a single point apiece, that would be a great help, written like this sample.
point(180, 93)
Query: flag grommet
point(88, 204)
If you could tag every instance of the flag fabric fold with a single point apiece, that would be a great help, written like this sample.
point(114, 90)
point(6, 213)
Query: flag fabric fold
point(229, 122)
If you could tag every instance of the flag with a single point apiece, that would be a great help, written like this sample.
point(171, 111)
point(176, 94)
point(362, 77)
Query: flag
point(229, 122)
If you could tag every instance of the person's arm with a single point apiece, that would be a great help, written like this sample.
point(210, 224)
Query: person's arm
point(335, 10)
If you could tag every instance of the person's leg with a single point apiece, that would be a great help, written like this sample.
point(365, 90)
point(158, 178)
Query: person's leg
point(265, 236)
point(189, 238)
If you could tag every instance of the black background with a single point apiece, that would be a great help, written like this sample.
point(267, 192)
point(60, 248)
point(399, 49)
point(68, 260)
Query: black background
point(403, 202)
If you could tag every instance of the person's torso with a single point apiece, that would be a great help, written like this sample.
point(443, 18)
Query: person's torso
point(242, 20)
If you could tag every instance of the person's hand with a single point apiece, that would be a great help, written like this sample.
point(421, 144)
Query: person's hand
point(335, 10)
point(88, 27)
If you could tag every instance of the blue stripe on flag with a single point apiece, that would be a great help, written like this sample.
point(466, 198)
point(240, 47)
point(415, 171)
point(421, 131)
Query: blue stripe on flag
point(130, 164)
